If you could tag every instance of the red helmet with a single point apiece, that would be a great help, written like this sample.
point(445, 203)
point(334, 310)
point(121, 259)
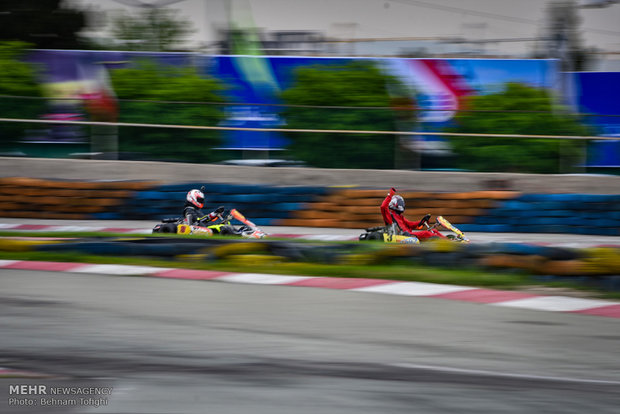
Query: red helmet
point(196, 198)
point(397, 204)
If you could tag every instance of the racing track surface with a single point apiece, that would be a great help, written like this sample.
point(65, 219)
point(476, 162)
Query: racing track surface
point(179, 346)
point(568, 240)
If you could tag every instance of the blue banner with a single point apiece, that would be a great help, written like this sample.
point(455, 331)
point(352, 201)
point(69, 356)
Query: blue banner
point(596, 94)
point(440, 86)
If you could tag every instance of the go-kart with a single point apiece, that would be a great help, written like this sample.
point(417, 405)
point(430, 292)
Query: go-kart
point(393, 234)
point(222, 225)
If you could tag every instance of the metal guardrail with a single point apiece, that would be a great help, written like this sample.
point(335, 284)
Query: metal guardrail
point(335, 131)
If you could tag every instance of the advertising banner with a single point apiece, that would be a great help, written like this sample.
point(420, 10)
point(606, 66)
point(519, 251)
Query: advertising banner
point(596, 94)
point(254, 83)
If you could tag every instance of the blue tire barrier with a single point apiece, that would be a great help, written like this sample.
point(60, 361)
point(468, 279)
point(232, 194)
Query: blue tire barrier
point(106, 216)
point(554, 213)
point(254, 201)
point(545, 213)
point(151, 195)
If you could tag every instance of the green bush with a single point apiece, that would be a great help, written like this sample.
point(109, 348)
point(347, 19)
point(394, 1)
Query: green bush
point(533, 113)
point(357, 84)
point(17, 78)
point(147, 81)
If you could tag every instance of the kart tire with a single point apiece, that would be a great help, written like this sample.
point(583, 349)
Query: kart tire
point(168, 228)
point(226, 231)
point(375, 235)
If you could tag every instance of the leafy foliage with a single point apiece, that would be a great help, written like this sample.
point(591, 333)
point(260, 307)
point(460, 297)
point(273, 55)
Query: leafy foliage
point(17, 78)
point(356, 84)
point(148, 81)
point(517, 154)
point(153, 29)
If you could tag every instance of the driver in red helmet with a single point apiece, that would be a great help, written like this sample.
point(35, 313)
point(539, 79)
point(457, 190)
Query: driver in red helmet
point(392, 209)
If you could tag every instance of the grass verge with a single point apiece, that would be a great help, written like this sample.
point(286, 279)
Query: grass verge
point(399, 271)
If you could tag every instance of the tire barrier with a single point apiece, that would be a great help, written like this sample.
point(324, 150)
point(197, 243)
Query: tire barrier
point(353, 208)
point(553, 213)
point(55, 199)
point(474, 211)
point(595, 265)
point(264, 205)
point(16, 245)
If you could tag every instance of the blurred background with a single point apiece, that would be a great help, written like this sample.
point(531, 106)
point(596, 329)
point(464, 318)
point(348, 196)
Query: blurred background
point(274, 82)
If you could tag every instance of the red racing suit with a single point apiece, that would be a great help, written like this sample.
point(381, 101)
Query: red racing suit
point(406, 227)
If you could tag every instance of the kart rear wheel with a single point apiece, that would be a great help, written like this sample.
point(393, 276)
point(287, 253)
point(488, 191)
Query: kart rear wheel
point(371, 235)
point(168, 228)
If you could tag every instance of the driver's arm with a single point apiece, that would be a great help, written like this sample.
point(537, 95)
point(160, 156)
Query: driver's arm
point(213, 215)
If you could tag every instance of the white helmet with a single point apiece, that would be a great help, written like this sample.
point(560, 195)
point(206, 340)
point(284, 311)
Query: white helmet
point(196, 198)
point(397, 204)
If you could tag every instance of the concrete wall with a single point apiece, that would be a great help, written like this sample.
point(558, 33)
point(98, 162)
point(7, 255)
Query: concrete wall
point(411, 180)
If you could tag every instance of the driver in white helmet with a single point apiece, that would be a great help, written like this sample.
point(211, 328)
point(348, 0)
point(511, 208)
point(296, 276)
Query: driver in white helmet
point(192, 215)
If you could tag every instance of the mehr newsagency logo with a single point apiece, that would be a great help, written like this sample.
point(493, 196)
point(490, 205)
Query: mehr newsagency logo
point(44, 395)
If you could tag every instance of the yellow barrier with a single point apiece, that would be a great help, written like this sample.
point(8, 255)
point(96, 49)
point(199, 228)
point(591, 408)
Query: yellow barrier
point(254, 259)
point(239, 249)
point(12, 245)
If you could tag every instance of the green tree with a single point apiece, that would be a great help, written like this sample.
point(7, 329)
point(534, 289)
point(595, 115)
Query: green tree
point(522, 110)
point(43, 23)
point(147, 81)
point(17, 78)
point(152, 29)
point(358, 84)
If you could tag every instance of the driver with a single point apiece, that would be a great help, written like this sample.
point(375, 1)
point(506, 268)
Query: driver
point(192, 215)
point(392, 209)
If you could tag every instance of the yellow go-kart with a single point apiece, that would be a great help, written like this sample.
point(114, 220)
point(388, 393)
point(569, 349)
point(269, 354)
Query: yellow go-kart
point(393, 234)
point(221, 226)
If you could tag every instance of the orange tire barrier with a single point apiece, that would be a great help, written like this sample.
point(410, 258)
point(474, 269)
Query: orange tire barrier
point(57, 199)
point(359, 208)
point(562, 268)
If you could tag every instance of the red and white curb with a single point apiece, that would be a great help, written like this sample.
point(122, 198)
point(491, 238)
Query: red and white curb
point(509, 299)
point(52, 228)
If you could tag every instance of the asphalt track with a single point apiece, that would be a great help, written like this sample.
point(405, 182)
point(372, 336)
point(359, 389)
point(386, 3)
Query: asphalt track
point(182, 346)
point(172, 346)
point(568, 240)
